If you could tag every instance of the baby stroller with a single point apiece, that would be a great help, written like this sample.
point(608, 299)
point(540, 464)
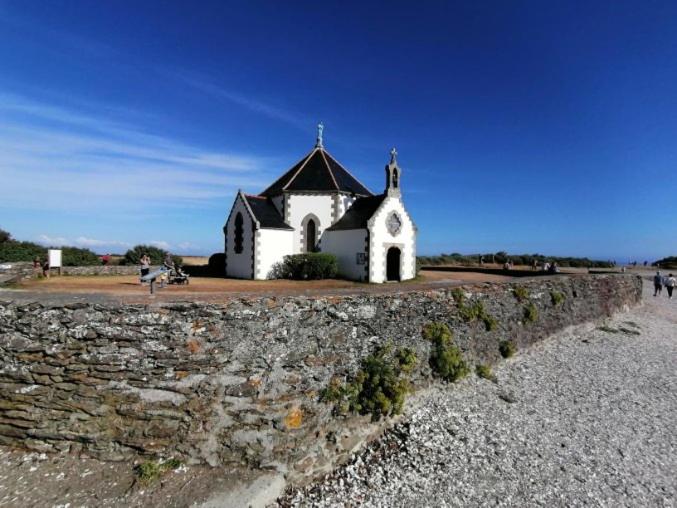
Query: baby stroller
point(178, 276)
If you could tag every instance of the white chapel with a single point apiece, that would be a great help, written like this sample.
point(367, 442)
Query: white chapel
point(319, 206)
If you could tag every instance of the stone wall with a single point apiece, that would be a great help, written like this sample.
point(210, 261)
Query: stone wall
point(239, 382)
point(103, 270)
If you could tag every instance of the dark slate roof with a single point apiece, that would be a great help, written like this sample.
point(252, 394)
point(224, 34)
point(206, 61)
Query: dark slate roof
point(359, 214)
point(266, 213)
point(317, 171)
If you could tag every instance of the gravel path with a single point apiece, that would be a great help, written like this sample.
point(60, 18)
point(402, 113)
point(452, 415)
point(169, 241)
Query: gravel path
point(586, 418)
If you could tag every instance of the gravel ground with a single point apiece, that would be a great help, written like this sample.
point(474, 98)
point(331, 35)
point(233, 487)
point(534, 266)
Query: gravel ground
point(584, 418)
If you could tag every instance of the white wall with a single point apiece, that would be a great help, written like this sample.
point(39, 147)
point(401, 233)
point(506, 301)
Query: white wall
point(239, 265)
point(380, 240)
point(345, 245)
point(344, 202)
point(299, 206)
point(271, 246)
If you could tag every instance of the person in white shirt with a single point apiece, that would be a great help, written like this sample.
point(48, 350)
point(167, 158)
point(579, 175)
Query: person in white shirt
point(670, 283)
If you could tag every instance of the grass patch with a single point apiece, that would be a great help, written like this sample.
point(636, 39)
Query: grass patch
point(476, 312)
point(379, 388)
point(484, 371)
point(557, 297)
point(446, 359)
point(521, 293)
point(530, 313)
point(507, 348)
point(149, 471)
point(458, 296)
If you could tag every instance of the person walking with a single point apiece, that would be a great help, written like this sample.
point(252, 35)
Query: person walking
point(145, 264)
point(670, 284)
point(657, 284)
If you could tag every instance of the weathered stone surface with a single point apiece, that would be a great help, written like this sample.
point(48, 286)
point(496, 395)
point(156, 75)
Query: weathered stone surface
point(239, 382)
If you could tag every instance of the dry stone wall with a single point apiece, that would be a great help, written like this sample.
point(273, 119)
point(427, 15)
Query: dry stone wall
point(239, 382)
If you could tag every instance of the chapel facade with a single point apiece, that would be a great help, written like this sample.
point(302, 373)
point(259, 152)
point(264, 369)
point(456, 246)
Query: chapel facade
point(319, 206)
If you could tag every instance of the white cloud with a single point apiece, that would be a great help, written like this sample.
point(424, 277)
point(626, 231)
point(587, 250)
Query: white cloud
point(53, 241)
point(250, 103)
point(55, 158)
point(160, 244)
point(83, 241)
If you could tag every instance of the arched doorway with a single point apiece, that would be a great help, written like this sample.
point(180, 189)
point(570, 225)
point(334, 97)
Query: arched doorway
point(311, 235)
point(393, 264)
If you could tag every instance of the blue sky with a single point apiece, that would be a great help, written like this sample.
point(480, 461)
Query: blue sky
point(521, 126)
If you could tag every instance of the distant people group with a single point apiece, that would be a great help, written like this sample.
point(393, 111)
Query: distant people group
point(659, 281)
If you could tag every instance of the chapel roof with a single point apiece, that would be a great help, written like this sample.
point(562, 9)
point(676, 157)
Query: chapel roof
point(265, 212)
point(357, 216)
point(317, 171)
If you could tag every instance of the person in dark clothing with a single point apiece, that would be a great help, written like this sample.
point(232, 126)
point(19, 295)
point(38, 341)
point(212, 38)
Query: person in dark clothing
point(657, 284)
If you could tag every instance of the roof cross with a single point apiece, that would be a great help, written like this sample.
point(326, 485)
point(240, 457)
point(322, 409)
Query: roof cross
point(320, 128)
point(393, 156)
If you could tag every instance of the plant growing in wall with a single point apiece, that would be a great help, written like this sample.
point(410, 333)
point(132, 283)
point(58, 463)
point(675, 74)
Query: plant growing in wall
point(557, 297)
point(476, 312)
point(446, 359)
point(379, 388)
point(484, 371)
point(507, 348)
point(530, 313)
point(521, 293)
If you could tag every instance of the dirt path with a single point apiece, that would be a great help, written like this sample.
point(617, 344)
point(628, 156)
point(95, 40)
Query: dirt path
point(128, 289)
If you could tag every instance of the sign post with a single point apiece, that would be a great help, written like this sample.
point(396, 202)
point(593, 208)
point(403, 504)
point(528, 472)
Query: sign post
point(54, 259)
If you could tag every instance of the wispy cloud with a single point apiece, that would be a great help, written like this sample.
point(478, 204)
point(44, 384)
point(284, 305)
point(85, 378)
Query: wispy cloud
point(81, 241)
point(249, 102)
point(54, 157)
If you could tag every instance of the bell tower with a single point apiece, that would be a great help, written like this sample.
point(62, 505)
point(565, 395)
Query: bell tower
point(393, 176)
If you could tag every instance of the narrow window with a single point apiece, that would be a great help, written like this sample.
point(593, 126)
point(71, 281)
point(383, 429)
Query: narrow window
point(239, 233)
point(311, 236)
point(395, 179)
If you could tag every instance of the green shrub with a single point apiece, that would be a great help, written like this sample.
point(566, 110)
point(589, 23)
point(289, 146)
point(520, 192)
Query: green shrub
point(484, 371)
point(489, 322)
point(150, 471)
point(472, 312)
point(73, 256)
point(217, 264)
point(309, 266)
point(406, 358)
point(446, 359)
point(507, 348)
point(157, 256)
point(458, 295)
point(476, 311)
point(557, 297)
point(521, 293)
point(5, 236)
point(11, 250)
point(379, 387)
point(530, 313)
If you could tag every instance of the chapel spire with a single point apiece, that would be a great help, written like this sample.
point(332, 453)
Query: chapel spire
point(393, 172)
point(318, 142)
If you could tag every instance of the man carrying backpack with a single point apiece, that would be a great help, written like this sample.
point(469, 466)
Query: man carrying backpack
point(657, 284)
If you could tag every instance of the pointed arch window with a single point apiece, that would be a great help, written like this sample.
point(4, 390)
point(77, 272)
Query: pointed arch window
point(239, 233)
point(311, 235)
point(396, 178)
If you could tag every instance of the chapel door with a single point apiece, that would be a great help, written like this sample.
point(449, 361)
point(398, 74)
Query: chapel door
point(393, 264)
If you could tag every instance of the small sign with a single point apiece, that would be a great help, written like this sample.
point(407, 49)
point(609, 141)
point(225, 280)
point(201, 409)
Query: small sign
point(54, 256)
point(361, 258)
